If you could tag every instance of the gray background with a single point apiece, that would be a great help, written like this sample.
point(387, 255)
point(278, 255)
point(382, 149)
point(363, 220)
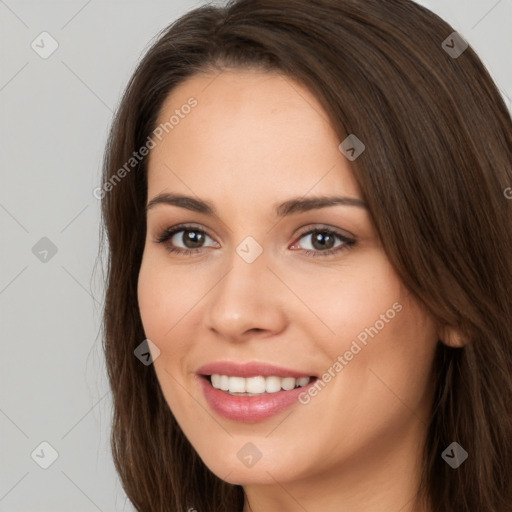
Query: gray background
point(54, 117)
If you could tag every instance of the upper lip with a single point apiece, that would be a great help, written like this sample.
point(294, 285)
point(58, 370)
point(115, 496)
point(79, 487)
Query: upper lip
point(250, 369)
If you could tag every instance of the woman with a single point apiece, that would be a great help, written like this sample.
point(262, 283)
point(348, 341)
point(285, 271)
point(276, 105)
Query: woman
point(308, 297)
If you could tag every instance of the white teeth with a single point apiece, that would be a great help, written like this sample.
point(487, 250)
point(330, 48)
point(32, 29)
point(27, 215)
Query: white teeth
point(224, 382)
point(236, 385)
point(273, 384)
point(256, 385)
point(288, 383)
point(216, 381)
point(302, 381)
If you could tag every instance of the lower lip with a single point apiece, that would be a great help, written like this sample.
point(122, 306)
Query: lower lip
point(250, 409)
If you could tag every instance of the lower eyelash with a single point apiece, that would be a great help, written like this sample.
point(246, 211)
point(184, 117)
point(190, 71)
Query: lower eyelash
point(348, 244)
point(178, 250)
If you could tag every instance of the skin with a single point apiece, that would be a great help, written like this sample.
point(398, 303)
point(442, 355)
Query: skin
point(253, 140)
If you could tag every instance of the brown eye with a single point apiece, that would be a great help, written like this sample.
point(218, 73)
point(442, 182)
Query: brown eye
point(190, 237)
point(323, 242)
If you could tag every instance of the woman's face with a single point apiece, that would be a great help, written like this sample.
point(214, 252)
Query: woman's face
point(307, 289)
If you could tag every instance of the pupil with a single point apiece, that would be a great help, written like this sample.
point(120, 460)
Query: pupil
point(324, 242)
point(193, 239)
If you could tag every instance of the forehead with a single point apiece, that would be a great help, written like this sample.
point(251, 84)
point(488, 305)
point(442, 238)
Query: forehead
point(250, 133)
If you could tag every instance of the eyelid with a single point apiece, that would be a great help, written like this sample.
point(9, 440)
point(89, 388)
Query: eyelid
point(324, 227)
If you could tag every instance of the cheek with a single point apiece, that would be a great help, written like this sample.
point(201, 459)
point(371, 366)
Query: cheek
point(385, 339)
point(151, 297)
point(164, 301)
point(165, 296)
point(349, 299)
point(391, 369)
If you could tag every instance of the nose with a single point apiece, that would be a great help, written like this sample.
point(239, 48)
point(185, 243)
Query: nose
point(247, 301)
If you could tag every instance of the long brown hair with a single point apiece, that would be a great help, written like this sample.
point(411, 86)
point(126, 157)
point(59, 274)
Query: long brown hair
point(437, 163)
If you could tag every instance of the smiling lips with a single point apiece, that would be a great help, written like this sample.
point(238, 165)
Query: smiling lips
point(251, 392)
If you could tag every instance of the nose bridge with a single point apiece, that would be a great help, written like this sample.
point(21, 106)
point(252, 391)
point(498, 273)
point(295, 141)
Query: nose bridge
point(246, 297)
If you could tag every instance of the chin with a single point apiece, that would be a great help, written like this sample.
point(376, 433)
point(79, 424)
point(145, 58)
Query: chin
point(261, 472)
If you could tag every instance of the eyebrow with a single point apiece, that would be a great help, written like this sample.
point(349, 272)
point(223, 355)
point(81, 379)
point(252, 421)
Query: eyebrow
point(294, 205)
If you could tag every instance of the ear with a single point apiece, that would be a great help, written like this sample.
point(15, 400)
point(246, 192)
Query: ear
point(452, 337)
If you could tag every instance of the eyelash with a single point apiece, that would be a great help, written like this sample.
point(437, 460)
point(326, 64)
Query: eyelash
point(169, 233)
